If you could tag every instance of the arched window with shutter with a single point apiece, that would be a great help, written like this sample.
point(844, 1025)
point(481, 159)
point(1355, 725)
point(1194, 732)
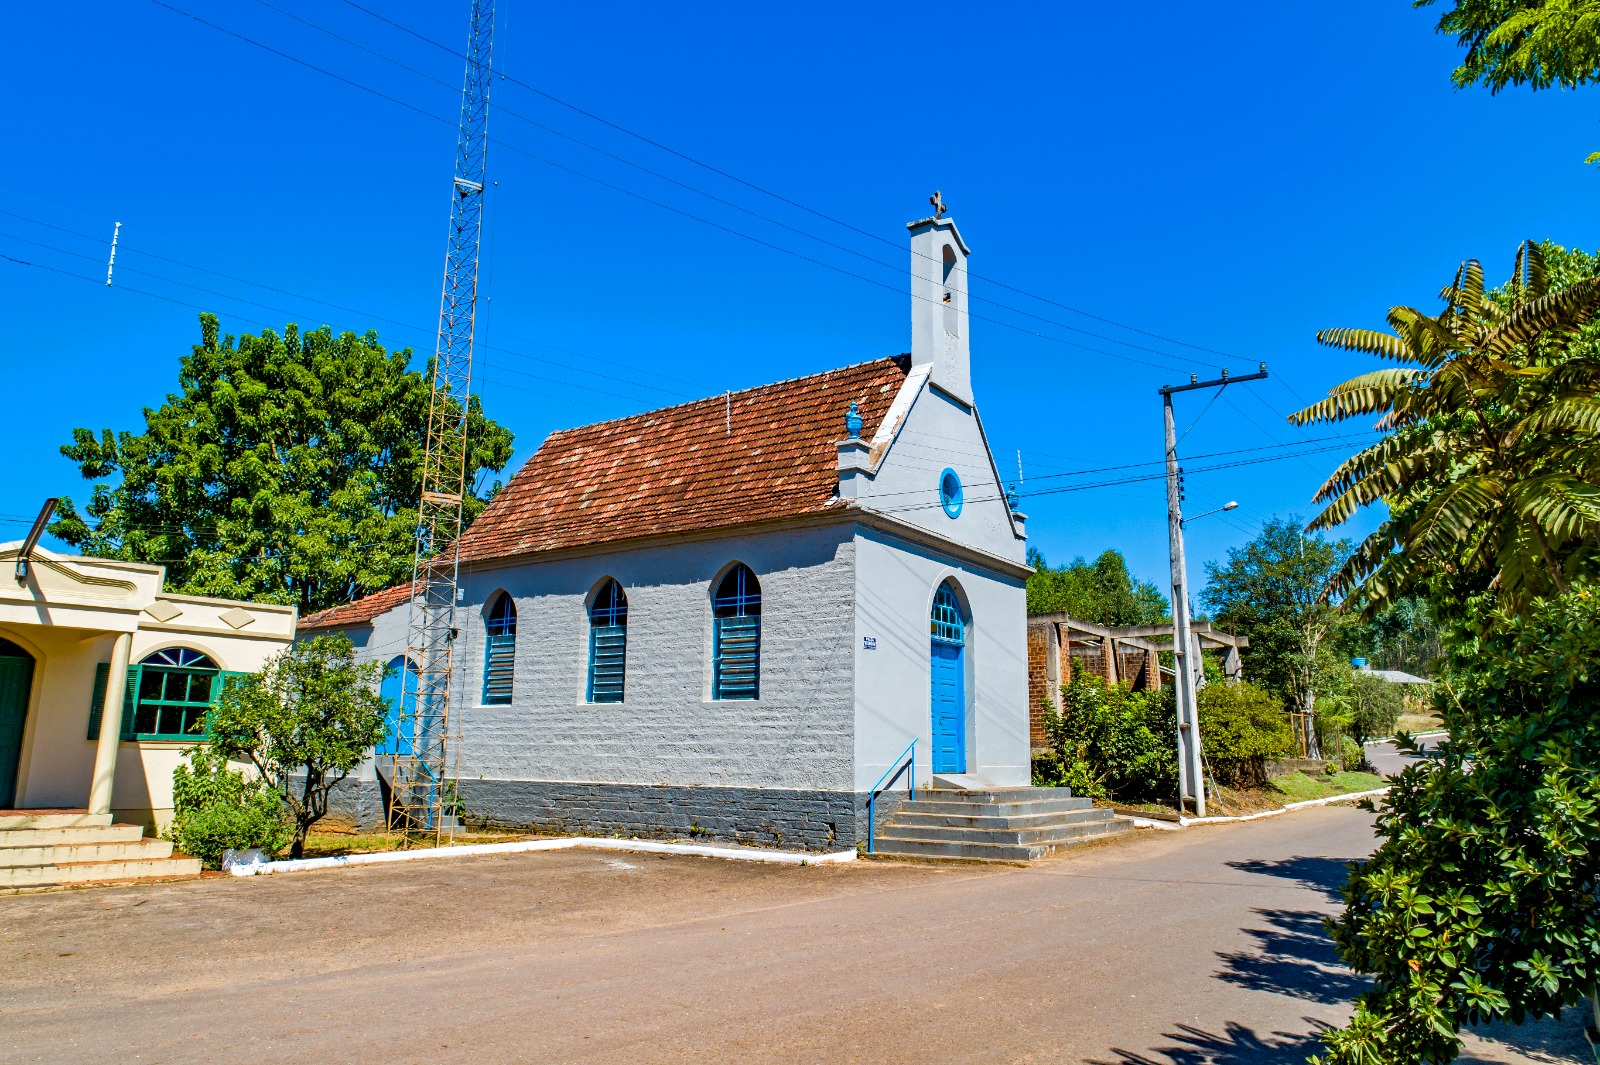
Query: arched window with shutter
point(608, 644)
point(500, 651)
point(736, 636)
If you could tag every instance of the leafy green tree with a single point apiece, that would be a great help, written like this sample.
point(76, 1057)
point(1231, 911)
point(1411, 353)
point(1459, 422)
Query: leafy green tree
point(1104, 593)
point(304, 721)
point(1242, 726)
point(216, 808)
point(1489, 462)
point(1480, 903)
point(1403, 635)
point(1538, 43)
point(1271, 590)
point(287, 469)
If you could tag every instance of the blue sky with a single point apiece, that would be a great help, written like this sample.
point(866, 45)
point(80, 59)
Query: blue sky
point(1231, 178)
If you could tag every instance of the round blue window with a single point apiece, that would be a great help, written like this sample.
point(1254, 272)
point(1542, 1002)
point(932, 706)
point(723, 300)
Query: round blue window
point(950, 492)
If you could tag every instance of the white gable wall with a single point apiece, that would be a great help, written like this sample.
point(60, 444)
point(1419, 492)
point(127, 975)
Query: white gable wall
point(938, 432)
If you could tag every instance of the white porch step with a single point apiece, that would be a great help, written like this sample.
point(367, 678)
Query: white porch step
point(73, 853)
point(48, 837)
point(13, 819)
point(24, 876)
point(47, 848)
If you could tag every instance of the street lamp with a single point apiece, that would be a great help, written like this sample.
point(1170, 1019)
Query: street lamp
point(1229, 505)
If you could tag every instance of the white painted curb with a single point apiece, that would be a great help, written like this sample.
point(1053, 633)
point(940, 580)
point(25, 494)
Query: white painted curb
point(1185, 822)
point(747, 854)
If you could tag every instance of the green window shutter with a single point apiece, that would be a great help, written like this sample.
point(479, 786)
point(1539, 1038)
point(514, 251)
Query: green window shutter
point(216, 690)
point(130, 702)
point(97, 701)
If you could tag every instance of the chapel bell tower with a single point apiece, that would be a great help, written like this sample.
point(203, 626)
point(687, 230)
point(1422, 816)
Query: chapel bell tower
point(939, 333)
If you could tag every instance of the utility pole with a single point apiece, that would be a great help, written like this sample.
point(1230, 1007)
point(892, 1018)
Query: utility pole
point(422, 768)
point(1187, 668)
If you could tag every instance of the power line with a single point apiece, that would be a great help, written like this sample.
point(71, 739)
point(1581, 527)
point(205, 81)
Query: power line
point(784, 199)
point(706, 221)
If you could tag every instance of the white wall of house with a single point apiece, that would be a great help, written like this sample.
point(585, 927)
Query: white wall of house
point(895, 585)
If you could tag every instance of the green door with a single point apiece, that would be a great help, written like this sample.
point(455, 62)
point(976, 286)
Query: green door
point(16, 680)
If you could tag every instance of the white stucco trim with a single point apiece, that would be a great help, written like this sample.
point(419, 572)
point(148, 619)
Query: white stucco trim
point(904, 530)
point(476, 850)
point(895, 417)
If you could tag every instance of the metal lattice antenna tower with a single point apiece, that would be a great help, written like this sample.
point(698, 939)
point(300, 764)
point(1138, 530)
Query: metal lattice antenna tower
point(421, 791)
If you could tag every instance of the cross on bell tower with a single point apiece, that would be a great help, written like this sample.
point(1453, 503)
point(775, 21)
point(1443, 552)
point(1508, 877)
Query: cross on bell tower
point(937, 199)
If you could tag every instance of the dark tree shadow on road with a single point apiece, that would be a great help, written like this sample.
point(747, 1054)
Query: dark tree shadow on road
point(1324, 875)
point(1235, 1045)
point(1292, 956)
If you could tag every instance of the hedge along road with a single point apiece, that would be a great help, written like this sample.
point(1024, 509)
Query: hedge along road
point(1203, 945)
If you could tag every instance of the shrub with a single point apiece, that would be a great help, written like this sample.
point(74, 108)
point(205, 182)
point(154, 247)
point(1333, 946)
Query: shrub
point(1110, 742)
point(1241, 726)
point(215, 808)
point(1352, 756)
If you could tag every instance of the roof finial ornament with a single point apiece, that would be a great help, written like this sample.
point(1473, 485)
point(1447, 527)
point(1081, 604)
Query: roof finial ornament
point(937, 199)
point(852, 421)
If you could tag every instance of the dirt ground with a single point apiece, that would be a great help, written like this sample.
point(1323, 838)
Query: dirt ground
point(1172, 947)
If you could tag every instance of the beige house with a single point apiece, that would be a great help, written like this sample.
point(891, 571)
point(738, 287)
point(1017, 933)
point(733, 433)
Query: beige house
point(71, 739)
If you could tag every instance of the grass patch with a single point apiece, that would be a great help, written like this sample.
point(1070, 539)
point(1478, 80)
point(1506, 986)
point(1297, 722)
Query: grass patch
point(1418, 723)
point(336, 844)
point(1298, 787)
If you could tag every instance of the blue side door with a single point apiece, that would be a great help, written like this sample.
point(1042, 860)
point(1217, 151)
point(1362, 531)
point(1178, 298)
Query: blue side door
point(949, 708)
point(399, 690)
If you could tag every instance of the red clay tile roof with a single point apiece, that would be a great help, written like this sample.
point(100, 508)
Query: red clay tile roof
point(679, 469)
point(673, 470)
point(358, 612)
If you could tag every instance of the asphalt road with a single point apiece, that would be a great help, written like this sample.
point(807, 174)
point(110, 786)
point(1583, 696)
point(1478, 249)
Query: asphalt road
point(1173, 947)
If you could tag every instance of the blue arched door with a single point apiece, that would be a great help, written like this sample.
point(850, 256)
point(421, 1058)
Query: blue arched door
point(399, 690)
point(948, 629)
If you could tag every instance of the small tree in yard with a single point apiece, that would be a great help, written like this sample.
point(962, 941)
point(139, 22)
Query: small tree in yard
point(304, 721)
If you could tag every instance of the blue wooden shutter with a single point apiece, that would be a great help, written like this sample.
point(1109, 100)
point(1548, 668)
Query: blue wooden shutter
point(97, 701)
point(738, 657)
point(500, 653)
point(130, 701)
point(608, 655)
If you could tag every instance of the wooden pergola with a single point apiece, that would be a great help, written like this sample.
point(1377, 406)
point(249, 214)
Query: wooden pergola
point(1059, 644)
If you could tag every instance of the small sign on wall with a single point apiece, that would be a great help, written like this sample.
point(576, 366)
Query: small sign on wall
point(869, 643)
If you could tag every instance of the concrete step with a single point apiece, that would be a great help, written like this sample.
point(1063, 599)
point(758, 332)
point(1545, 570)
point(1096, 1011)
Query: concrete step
point(1012, 794)
point(24, 876)
point(996, 822)
point(72, 853)
point(993, 852)
point(1017, 836)
point(48, 837)
point(984, 808)
point(12, 819)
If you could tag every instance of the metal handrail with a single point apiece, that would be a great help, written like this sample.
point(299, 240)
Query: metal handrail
point(904, 760)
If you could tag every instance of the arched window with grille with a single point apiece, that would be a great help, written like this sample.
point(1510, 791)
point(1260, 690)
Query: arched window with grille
point(736, 636)
point(500, 650)
point(174, 689)
point(608, 644)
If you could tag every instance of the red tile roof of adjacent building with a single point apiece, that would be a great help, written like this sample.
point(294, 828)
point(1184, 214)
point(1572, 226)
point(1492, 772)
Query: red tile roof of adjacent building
point(762, 454)
point(357, 612)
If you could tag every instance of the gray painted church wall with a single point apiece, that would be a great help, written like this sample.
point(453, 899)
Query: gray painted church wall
point(669, 731)
point(940, 432)
point(895, 586)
